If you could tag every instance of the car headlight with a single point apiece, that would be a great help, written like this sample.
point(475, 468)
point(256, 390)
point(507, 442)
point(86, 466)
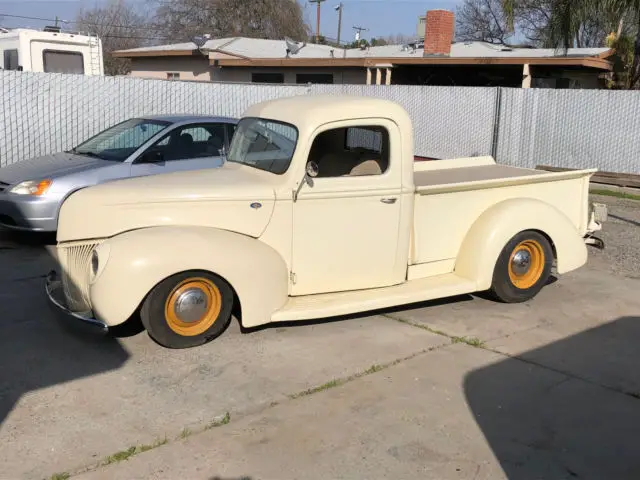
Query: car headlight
point(99, 258)
point(32, 187)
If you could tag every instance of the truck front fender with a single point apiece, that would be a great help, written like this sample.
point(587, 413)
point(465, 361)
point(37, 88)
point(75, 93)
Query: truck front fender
point(133, 263)
point(489, 234)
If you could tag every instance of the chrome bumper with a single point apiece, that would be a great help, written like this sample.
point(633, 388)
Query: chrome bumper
point(597, 216)
point(54, 289)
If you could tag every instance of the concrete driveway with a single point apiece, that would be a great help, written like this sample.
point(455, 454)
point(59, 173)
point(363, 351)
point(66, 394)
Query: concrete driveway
point(458, 389)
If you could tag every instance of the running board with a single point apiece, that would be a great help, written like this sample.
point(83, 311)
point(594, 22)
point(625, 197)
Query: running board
point(344, 303)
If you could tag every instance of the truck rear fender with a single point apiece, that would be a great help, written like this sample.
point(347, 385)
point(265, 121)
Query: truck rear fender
point(136, 261)
point(498, 224)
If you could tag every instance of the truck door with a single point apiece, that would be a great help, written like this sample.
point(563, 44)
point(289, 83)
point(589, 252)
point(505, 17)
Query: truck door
point(345, 226)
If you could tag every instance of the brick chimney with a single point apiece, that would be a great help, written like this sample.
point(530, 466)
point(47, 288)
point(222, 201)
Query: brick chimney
point(439, 32)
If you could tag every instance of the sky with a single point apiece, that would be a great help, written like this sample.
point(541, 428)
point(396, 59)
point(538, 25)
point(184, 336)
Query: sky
point(381, 17)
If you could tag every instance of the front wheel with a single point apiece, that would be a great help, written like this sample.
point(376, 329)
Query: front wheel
point(523, 268)
point(188, 309)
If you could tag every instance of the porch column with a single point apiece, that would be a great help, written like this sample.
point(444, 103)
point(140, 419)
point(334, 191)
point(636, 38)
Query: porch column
point(388, 76)
point(526, 76)
point(378, 76)
point(368, 76)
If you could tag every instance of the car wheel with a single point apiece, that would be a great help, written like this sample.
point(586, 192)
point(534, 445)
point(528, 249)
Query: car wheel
point(523, 268)
point(188, 309)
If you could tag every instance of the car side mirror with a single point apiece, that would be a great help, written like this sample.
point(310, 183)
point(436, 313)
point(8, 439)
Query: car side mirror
point(154, 156)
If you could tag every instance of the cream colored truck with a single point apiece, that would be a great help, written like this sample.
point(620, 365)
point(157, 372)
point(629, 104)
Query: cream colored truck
point(320, 210)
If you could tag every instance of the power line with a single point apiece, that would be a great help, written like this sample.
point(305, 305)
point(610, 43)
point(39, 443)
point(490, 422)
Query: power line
point(145, 27)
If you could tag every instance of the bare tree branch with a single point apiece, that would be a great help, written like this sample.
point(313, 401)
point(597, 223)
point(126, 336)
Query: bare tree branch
point(273, 19)
point(482, 20)
point(119, 27)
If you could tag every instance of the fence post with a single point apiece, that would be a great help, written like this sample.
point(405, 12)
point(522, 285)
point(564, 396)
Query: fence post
point(496, 123)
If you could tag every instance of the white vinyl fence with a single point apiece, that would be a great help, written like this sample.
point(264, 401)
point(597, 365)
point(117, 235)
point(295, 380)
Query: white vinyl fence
point(43, 113)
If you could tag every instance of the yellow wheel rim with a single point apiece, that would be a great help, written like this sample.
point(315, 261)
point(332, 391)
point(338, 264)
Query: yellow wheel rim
point(193, 306)
point(526, 264)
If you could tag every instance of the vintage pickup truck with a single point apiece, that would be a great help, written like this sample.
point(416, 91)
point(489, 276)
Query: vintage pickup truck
point(319, 210)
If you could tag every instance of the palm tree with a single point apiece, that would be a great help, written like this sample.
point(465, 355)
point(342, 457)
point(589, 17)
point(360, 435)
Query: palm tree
point(568, 17)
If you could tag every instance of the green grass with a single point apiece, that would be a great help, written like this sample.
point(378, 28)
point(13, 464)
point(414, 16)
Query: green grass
point(614, 193)
point(373, 369)
point(60, 476)
point(219, 422)
point(131, 451)
point(473, 341)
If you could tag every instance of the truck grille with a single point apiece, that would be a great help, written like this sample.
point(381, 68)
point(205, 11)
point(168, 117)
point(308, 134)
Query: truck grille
point(75, 261)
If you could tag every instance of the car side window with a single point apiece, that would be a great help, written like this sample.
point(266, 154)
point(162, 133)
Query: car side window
point(349, 152)
point(192, 141)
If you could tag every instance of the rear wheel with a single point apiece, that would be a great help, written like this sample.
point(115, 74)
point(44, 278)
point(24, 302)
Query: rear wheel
point(188, 309)
point(523, 268)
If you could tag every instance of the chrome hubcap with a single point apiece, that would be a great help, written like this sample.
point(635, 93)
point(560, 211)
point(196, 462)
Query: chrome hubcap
point(521, 262)
point(191, 305)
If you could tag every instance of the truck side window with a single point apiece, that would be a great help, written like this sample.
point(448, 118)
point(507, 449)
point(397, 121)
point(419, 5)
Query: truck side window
point(11, 59)
point(351, 152)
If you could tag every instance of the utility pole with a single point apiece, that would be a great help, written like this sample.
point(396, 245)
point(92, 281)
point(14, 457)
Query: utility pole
point(339, 9)
point(358, 31)
point(318, 2)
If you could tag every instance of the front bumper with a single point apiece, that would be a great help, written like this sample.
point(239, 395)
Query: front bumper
point(25, 212)
point(55, 292)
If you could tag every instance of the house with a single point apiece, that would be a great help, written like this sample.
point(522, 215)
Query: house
point(436, 60)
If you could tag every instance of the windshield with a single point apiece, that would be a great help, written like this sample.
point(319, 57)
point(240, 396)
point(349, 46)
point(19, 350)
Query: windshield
point(117, 143)
point(264, 144)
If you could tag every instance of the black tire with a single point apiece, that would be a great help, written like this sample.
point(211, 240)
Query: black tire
point(507, 285)
point(168, 330)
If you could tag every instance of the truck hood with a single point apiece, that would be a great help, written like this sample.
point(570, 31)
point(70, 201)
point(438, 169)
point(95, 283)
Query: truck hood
point(51, 166)
point(233, 197)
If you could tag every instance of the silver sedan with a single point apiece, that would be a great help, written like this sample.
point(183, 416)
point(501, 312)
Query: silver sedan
point(32, 191)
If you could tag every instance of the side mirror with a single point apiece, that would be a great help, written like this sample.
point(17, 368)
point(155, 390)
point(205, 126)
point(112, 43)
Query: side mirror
point(154, 156)
point(309, 174)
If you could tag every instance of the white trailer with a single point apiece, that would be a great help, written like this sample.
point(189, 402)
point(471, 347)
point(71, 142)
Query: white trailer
point(50, 50)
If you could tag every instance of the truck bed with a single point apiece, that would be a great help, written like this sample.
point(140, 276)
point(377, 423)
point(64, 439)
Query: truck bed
point(479, 173)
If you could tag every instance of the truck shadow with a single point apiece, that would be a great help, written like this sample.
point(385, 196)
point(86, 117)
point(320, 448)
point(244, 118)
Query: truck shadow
point(36, 349)
point(570, 409)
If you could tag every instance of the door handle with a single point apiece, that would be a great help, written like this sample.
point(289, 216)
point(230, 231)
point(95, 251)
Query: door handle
point(389, 200)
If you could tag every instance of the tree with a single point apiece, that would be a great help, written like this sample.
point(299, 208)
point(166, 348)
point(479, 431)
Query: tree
point(482, 20)
point(569, 21)
point(271, 19)
point(119, 27)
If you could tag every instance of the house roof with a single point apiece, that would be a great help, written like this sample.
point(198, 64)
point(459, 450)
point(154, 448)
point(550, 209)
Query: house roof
point(245, 52)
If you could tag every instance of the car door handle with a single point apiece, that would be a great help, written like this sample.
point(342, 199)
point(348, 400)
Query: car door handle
point(389, 200)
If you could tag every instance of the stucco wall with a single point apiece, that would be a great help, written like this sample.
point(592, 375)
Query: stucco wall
point(191, 68)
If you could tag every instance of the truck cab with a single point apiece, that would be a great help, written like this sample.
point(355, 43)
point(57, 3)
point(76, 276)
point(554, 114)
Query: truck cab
point(319, 210)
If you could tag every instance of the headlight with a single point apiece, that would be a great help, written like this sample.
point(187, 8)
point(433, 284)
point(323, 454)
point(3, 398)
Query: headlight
point(99, 258)
point(95, 263)
point(32, 187)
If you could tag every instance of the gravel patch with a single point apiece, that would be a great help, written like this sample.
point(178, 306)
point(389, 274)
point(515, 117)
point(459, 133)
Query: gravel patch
point(621, 234)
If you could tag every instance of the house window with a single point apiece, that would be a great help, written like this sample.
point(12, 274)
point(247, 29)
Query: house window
point(56, 61)
point(173, 76)
point(11, 59)
point(314, 78)
point(267, 78)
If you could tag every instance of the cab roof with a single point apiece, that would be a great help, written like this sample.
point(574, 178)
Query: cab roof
point(308, 112)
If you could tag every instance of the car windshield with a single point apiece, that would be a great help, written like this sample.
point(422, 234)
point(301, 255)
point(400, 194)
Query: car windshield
point(264, 144)
point(117, 143)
